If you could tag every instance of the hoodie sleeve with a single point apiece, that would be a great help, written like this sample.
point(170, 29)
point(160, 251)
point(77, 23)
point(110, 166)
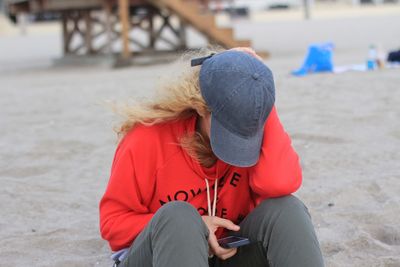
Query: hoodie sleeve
point(123, 212)
point(278, 171)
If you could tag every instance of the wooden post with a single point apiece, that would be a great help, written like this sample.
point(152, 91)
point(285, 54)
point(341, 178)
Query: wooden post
point(88, 33)
point(307, 14)
point(65, 32)
point(182, 35)
point(152, 39)
point(108, 26)
point(124, 19)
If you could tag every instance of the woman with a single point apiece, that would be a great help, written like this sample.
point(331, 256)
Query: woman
point(209, 158)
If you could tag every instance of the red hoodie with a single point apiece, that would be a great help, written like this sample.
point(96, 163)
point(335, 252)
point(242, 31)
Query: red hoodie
point(150, 168)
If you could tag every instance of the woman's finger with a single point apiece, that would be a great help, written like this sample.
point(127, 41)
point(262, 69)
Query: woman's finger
point(220, 222)
point(215, 247)
point(229, 254)
point(249, 51)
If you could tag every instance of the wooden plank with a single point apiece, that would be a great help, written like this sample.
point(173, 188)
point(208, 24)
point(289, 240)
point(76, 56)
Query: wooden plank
point(243, 43)
point(209, 18)
point(61, 5)
point(263, 54)
point(226, 32)
point(191, 15)
point(67, 4)
point(124, 18)
point(15, 8)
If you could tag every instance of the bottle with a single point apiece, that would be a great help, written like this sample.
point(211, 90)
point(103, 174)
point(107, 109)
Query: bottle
point(372, 58)
point(380, 57)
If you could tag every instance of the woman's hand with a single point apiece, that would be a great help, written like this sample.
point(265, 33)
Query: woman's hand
point(213, 223)
point(247, 50)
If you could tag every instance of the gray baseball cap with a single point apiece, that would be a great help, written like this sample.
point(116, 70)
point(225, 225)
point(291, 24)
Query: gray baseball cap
point(239, 89)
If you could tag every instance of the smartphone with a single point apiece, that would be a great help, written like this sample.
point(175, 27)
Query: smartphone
point(233, 241)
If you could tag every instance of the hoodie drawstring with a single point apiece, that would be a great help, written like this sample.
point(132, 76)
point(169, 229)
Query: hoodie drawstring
point(209, 198)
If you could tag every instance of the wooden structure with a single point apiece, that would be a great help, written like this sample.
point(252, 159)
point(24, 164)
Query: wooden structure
point(104, 26)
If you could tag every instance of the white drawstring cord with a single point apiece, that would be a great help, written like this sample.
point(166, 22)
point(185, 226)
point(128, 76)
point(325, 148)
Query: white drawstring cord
point(212, 213)
point(215, 197)
point(214, 203)
point(208, 198)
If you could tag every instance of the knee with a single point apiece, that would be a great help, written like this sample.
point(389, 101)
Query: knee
point(175, 208)
point(288, 203)
point(178, 223)
point(179, 214)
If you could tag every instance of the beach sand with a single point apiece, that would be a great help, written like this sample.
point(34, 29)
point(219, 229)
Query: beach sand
point(57, 143)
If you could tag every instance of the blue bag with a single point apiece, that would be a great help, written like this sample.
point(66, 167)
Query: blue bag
point(318, 59)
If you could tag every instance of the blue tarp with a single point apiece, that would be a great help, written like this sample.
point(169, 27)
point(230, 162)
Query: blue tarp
point(318, 59)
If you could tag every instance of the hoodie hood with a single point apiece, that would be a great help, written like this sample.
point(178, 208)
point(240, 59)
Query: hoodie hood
point(218, 170)
point(209, 175)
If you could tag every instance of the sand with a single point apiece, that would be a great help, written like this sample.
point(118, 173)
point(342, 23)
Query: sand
point(56, 141)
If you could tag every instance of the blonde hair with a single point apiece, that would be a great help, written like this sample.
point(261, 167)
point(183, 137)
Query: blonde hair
point(177, 99)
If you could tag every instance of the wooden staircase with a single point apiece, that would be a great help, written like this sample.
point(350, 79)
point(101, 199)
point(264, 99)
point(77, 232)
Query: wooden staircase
point(192, 14)
point(86, 31)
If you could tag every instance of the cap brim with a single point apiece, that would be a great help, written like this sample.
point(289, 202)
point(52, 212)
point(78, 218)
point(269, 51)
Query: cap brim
point(234, 149)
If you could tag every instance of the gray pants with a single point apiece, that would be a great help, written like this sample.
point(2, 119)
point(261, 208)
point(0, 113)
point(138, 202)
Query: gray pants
point(280, 230)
